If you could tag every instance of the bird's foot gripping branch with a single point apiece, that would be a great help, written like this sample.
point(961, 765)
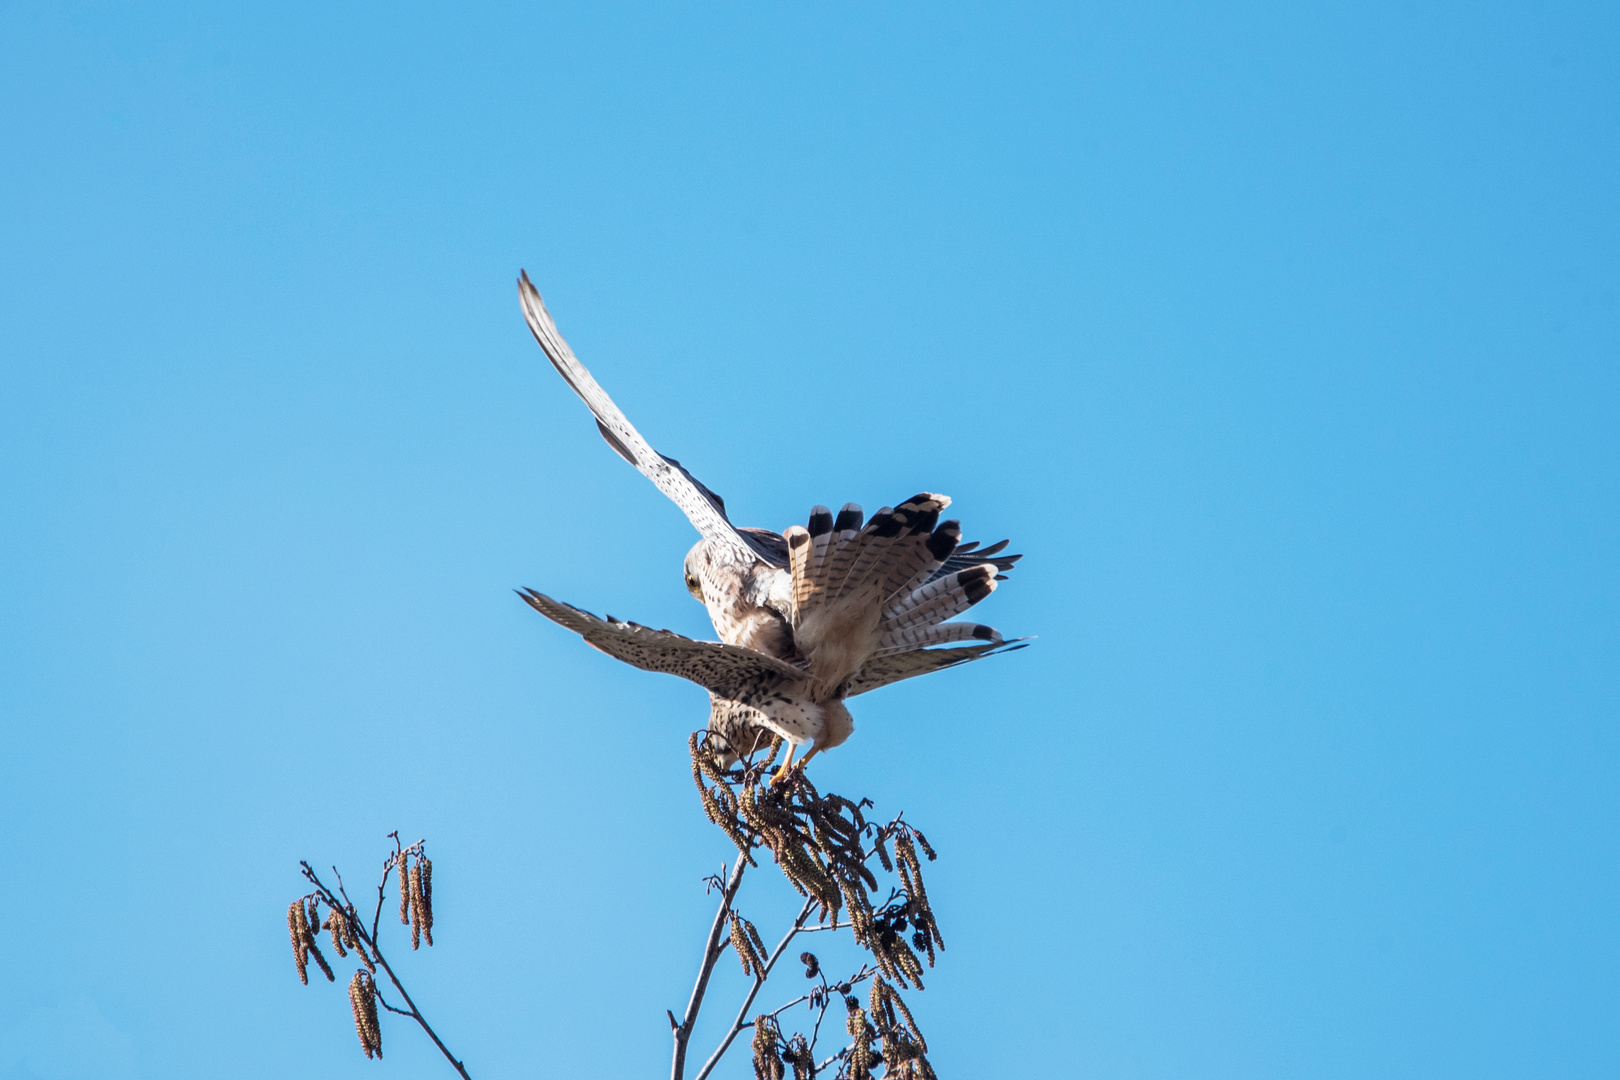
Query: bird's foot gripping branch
point(826, 848)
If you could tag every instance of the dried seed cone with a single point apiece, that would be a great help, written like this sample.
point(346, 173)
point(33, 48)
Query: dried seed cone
point(296, 924)
point(803, 1061)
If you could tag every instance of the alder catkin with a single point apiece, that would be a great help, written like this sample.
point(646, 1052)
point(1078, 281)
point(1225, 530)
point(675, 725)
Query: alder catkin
point(860, 1049)
point(315, 951)
point(741, 945)
point(371, 1015)
point(426, 866)
point(416, 905)
point(339, 926)
point(295, 919)
point(768, 1064)
point(404, 890)
point(363, 1000)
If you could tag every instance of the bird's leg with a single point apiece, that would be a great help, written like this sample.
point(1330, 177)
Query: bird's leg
point(782, 773)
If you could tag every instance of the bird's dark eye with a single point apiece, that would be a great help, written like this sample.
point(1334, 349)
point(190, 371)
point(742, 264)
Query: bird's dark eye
point(693, 587)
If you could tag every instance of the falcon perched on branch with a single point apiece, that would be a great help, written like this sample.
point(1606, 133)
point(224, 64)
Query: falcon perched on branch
point(806, 618)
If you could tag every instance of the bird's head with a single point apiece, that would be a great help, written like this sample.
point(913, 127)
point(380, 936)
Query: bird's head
point(697, 561)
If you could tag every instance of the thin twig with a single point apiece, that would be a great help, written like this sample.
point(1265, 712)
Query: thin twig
point(391, 1009)
point(759, 981)
point(711, 953)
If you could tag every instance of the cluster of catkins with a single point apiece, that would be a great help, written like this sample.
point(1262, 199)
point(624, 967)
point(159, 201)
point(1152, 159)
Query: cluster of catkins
point(824, 845)
point(882, 1033)
point(819, 841)
point(363, 999)
point(304, 923)
point(416, 893)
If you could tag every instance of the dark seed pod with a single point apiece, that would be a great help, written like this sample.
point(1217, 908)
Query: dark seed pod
point(799, 1056)
point(812, 966)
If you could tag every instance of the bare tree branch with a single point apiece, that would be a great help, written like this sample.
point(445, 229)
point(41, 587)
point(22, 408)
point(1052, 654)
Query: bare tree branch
point(759, 981)
point(369, 941)
point(711, 952)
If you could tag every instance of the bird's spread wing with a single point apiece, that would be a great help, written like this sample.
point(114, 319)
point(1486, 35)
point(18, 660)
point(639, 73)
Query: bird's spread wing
point(883, 670)
point(705, 509)
point(727, 670)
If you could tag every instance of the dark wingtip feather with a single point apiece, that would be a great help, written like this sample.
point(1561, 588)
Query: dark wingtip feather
point(976, 582)
point(821, 521)
point(884, 523)
point(942, 543)
point(849, 518)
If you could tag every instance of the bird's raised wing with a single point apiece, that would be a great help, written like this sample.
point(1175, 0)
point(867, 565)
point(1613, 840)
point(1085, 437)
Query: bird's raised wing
point(728, 670)
point(883, 670)
point(705, 509)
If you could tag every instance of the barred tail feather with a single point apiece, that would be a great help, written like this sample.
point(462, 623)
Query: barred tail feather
point(940, 599)
point(921, 637)
point(897, 545)
point(831, 565)
point(883, 670)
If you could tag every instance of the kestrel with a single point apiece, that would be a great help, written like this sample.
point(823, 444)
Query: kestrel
point(807, 618)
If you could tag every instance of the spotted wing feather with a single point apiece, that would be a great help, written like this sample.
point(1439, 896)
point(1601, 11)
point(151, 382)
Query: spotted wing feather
point(705, 509)
point(730, 671)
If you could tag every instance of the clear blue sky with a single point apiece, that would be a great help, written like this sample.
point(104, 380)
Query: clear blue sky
point(1281, 338)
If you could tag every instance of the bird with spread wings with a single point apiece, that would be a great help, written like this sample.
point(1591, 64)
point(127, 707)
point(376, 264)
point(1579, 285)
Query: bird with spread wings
point(807, 618)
